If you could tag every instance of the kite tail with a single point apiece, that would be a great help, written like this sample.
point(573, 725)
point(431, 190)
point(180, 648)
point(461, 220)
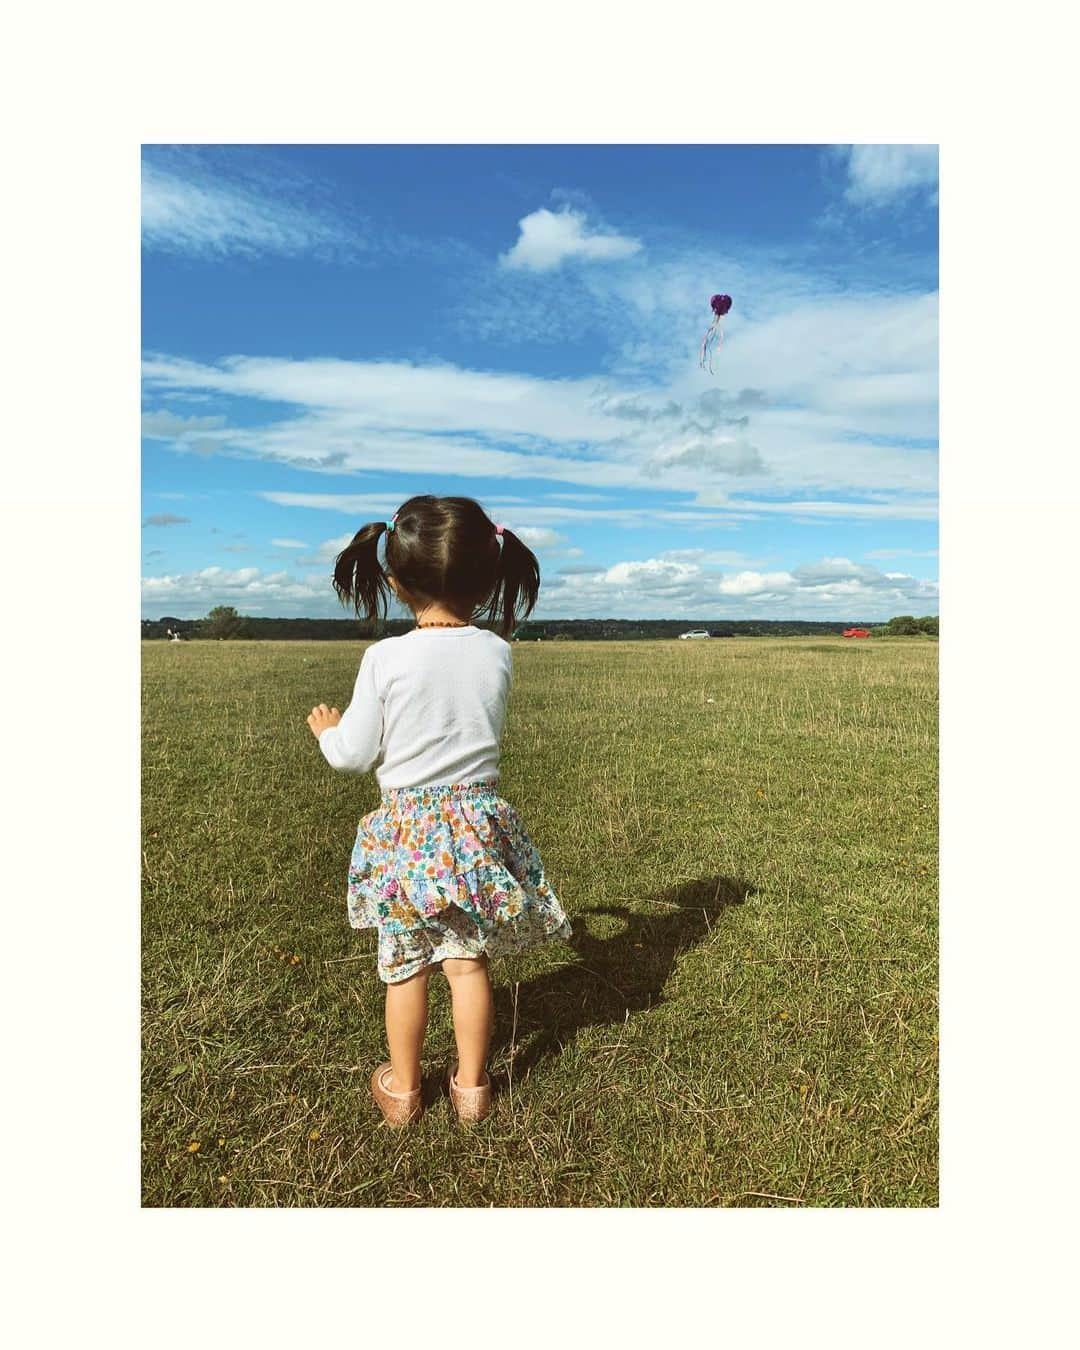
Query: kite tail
point(705, 352)
point(713, 339)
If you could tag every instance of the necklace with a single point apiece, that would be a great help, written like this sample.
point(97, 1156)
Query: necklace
point(442, 625)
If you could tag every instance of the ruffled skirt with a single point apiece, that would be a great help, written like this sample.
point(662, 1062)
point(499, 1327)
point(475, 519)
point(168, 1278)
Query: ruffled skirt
point(449, 871)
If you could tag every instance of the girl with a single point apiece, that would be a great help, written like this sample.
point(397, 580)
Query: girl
point(443, 867)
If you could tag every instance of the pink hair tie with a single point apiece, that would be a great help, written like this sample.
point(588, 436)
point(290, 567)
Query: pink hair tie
point(499, 529)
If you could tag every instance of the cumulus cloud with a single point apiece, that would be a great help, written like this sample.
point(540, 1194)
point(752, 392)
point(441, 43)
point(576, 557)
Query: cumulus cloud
point(654, 574)
point(288, 543)
point(754, 583)
point(828, 570)
point(719, 454)
point(717, 407)
point(669, 588)
point(636, 409)
point(547, 239)
point(659, 587)
point(880, 174)
point(247, 589)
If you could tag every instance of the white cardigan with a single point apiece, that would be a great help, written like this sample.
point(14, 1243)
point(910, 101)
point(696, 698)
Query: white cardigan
point(427, 707)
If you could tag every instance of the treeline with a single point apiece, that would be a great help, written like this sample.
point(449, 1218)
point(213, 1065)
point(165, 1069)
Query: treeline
point(225, 622)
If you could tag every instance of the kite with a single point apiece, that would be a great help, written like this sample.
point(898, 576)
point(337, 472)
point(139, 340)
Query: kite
point(714, 336)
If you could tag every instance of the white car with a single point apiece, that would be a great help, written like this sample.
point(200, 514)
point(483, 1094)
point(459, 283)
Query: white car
point(694, 633)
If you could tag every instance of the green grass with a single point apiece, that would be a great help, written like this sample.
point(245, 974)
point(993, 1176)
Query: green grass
point(745, 1016)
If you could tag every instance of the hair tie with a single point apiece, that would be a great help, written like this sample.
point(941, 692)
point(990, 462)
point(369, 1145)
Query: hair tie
point(391, 523)
point(499, 529)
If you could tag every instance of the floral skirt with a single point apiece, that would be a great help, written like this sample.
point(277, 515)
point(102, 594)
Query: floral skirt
point(448, 871)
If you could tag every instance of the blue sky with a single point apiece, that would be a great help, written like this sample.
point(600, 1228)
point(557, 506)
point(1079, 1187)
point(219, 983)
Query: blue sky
point(328, 329)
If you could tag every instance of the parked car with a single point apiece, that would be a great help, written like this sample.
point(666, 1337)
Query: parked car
point(695, 633)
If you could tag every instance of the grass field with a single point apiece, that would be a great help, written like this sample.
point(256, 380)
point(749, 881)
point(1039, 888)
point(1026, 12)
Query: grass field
point(744, 834)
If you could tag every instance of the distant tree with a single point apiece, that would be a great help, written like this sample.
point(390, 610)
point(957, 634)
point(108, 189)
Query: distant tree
point(222, 622)
point(903, 624)
point(257, 628)
point(929, 624)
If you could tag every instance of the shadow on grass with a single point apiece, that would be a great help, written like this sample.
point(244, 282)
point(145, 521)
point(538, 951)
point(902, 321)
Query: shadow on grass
point(613, 976)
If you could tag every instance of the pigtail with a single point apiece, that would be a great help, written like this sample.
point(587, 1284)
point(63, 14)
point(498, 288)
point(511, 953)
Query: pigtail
point(517, 584)
point(359, 578)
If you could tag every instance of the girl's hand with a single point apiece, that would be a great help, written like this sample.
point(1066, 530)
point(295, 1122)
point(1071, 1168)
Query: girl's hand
point(322, 717)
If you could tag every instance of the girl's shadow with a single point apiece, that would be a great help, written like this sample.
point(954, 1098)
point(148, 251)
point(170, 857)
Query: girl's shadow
point(614, 976)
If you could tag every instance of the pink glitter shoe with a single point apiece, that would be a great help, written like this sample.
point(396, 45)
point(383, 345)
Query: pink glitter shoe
point(399, 1108)
point(471, 1103)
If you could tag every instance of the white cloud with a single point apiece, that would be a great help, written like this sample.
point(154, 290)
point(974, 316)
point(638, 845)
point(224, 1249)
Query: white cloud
point(193, 594)
point(288, 543)
point(754, 583)
point(578, 497)
point(707, 557)
point(539, 538)
point(550, 238)
point(879, 174)
point(380, 395)
point(163, 425)
point(901, 552)
point(364, 507)
point(726, 454)
point(918, 509)
point(822, 390)
point(828, 381)
point(666, 588)
point(829, 571)
point(328, 550)
point(654, 574)
point(198, 212)
point(542, 539)
point(166, 518)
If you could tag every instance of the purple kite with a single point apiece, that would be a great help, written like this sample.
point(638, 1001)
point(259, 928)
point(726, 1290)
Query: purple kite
point(714, 336)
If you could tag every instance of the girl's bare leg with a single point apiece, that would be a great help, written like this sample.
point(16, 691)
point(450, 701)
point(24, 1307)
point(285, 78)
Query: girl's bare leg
point(406, 1023)
point(474, 1015)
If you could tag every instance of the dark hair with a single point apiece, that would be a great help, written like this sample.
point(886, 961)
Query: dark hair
point(442, 550)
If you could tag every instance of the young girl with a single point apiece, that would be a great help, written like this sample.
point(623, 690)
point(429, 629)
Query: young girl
point(443, 867)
